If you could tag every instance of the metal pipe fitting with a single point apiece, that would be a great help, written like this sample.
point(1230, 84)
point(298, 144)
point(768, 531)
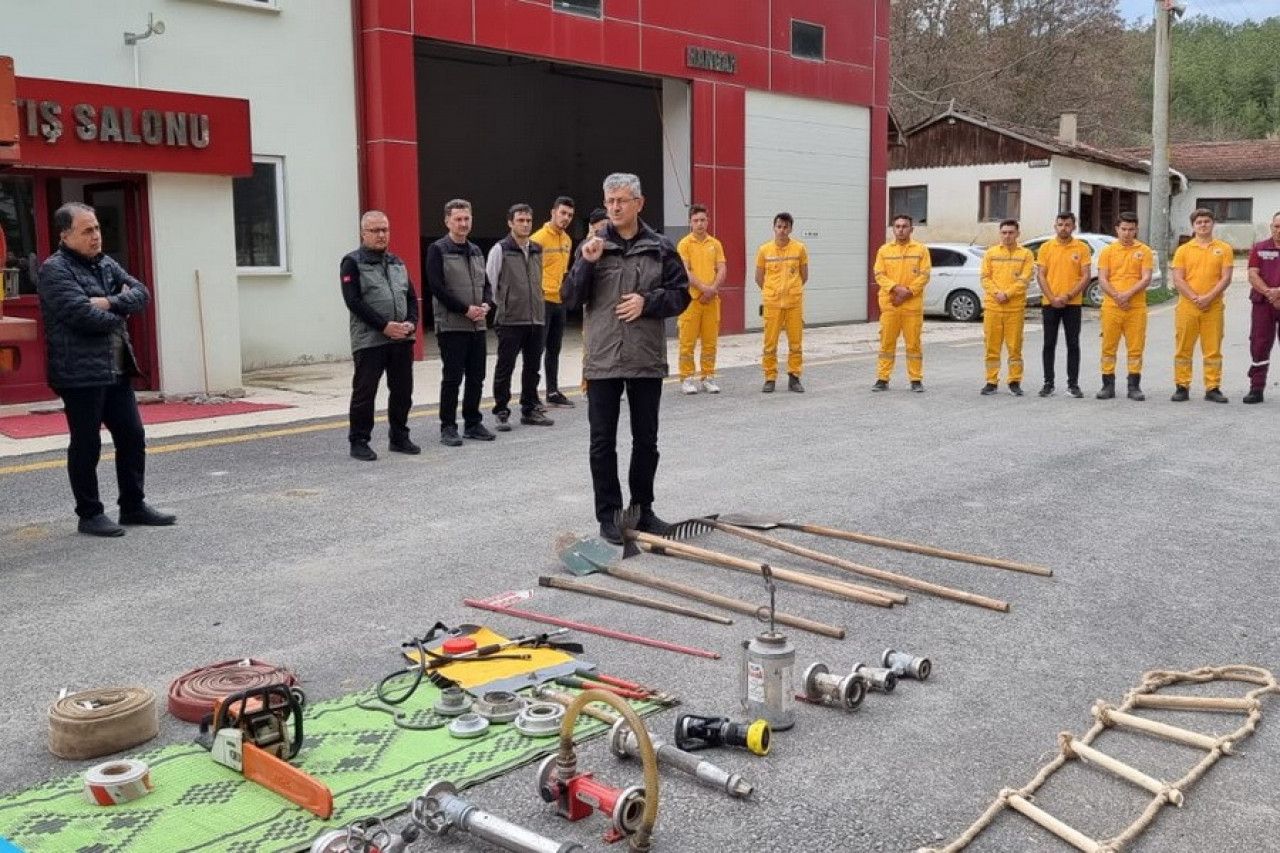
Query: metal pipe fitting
point(624, 745)
point(822, 687)
point(578, 796)
point(877, 678)
point(906, 665)
point(439, 809)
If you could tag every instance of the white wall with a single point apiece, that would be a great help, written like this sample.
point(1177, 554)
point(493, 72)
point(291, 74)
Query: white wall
point(295, 66)
point(1266, 202)
point(811, 158)
point(1081, 171)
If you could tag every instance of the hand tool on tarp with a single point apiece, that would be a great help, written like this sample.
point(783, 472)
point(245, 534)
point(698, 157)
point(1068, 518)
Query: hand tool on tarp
point(599, 551)
point(250, 732)
point(627, 598)
point(582, 557)
point(498, 604)
point(612, 680)
point(698, 526)
point(760, 522)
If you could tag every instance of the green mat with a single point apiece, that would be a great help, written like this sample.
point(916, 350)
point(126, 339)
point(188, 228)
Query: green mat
point(372, 766)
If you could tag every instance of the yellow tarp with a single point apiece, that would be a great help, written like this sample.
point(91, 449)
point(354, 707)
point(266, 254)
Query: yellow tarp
point(476, 673)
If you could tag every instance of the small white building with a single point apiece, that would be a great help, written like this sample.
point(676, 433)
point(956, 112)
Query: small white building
point(1238, 181)
point(217, 139)
point(959, 173)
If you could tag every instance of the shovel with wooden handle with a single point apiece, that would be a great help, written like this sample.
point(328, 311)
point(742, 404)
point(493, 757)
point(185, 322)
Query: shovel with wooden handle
point(758, 522)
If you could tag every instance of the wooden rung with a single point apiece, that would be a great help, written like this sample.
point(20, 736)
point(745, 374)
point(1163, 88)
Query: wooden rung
point(1111, 717)
point(1073, 748)
point(1074, 837)
point(1193, 703)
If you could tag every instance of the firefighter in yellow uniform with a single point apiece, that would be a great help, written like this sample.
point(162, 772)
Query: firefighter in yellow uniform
point(1201, 273)
point(703, 258)
point(1007, 268)
point(557, 247)
point(1062, 270)
point(782, 268)
point(1124, 271)
point(902, 272)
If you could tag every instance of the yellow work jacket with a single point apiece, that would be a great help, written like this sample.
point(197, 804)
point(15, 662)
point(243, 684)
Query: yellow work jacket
point(902, 265)
point(783, 287)
point(1063, 266)
point(1202, 266)
point(557, 248)
point(1125, 266)
point(1006, 271)
point(701, 257)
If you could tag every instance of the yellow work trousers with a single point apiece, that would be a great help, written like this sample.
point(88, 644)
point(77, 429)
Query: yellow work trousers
point(699, 322)
point(1130, 324)
point(907, 323)
point(1191, 325)
point(1003, 330)
point(776, 321)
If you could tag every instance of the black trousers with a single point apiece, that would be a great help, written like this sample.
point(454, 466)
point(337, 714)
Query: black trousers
point(463, 355)
point(603, 408)
point(526, 342)
point(555, 316)
point(87, 411)
point(396, 360)
point(1068, 316)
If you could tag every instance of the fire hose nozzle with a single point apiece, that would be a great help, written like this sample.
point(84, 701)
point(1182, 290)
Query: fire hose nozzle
point(624, 745)
point(877, 678)
point(905, 665)
point(578, 796)
point(439, 809)
point(694, 732)
point(822, 687)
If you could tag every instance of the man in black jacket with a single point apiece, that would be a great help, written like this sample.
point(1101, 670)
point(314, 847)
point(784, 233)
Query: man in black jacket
point(384, 318)
point(628, 281)
point(85, 297)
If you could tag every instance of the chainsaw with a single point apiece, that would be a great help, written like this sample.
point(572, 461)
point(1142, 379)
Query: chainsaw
point(250, 732)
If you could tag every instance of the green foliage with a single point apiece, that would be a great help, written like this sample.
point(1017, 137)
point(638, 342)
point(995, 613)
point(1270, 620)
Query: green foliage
point(1225, 80)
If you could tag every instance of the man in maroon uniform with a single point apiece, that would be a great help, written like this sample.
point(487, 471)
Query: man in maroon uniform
point(1264, 293)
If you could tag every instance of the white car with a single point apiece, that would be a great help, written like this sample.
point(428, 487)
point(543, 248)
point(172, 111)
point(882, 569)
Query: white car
point(955, 287)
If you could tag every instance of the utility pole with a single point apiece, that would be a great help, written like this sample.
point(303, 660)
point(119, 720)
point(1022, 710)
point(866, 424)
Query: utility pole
point(1159, 233)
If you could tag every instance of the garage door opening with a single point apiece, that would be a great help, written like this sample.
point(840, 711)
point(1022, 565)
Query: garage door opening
point(498, 129)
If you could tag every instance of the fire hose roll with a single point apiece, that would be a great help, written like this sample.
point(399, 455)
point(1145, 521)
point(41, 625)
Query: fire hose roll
point(117, 782)
point(192, 695)
point(93, 723)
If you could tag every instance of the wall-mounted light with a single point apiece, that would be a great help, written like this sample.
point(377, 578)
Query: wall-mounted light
point(154, 28)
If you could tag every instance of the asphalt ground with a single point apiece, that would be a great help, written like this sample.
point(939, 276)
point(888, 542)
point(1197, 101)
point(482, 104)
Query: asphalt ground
point(1157, 518)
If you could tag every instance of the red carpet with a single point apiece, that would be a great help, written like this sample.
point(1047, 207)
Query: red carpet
point(53, 423)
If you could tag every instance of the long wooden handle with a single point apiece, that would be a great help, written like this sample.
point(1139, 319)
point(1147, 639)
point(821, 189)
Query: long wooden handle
point(914, 548)
point(734, 604)
point(629, 598)
point(852, 592)
point(866, 571)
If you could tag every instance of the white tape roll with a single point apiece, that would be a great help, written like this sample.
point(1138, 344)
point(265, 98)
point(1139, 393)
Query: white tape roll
point(117, 782)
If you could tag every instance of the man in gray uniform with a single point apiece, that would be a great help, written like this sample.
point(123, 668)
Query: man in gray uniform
point(461, 298)
point(384, 319)
point(514, 269)
point(628, 281)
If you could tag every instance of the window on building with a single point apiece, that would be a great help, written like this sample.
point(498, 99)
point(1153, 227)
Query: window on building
point(1064, 196)
point(1228, 209)
point(999, 200)
point(581, 7)
point(913, 201)
point(808, 41)
point(18, 224)
point(259, 216)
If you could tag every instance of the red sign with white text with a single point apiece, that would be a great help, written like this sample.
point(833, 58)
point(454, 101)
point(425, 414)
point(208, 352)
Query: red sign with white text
point(69, 125)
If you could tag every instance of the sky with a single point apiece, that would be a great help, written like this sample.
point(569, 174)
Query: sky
point(1234, 11)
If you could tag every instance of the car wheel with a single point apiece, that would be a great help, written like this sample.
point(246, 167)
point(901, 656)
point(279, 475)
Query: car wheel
point(964, 306)
point(1093, 293)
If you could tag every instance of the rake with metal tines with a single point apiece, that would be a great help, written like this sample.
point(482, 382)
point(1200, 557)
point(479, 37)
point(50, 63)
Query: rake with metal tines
point(706, 524)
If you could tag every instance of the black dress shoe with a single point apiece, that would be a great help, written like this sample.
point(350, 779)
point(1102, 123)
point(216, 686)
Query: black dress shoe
point(147, 516)
point(536, 418)
point(555, 398)
point(404, 445)
point(362, 451)
point(478, 433)
point(449, 436)
point(650, 523)
point(99, 525)
point(609, 532)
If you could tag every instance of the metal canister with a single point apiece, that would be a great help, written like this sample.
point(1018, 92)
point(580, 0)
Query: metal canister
point(768, 693)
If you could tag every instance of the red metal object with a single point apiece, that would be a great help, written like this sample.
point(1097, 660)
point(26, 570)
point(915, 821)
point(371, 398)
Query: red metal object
point(71, 125)
point(10, 149)
point(580, 795)
point(616, 682)
point(458, 645)
point(591, 629)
